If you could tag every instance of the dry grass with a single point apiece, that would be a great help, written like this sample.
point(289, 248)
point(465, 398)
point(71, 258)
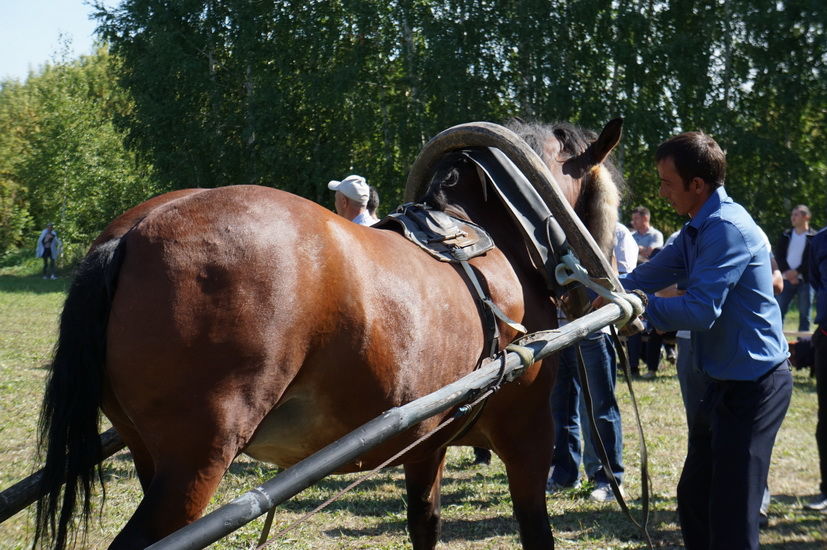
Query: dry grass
point(476, 505)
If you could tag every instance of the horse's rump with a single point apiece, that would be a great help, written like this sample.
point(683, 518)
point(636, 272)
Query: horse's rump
point(268, 305)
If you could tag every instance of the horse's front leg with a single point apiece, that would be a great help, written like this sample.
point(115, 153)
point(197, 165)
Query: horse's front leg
point(422, 481)
point(524, 442)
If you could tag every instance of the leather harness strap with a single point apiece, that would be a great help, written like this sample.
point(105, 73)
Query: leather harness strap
point(450, 239)
point(548, 248)
point(544, 238)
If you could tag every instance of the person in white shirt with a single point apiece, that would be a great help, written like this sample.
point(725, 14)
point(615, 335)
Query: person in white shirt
point(792, 255)
point(351, 200)
point(49, 248)
point(648, 240)
point(625, 250)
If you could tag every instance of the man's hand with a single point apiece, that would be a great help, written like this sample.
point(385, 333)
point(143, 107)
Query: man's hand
point(791, 275)
point(670, 292)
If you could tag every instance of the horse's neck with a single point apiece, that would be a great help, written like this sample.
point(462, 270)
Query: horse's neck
point(492, 216)
point(570, 189)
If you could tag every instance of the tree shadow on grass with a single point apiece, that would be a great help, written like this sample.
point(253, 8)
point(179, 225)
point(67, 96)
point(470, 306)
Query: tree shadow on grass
point(586, 526)
point(33, 284)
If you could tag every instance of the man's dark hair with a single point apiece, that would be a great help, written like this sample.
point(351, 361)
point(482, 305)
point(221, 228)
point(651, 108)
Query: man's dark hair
point(803, 208)
point(696, 155)
point(373, 201)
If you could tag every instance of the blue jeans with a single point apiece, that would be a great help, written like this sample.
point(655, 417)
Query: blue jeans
point(566, 399)
point(805, 294)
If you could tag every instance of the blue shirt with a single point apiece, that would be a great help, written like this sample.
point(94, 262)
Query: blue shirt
point(818, 274)
point(722, 260)
point(364, 218)
point(652, 237)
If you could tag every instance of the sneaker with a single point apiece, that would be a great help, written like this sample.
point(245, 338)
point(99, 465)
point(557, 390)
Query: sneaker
point(820, 503)
point(53, 277)
point(648, 375)
point(603, 492)
point(554, 487)
point(763, 519)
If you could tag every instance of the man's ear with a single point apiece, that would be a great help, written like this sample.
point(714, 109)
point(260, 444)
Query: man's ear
point(697, 185)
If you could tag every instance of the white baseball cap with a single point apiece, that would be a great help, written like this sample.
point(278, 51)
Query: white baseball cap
point(353, 187)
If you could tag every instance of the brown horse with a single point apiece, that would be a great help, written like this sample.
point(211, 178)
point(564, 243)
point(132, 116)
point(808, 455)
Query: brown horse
point(207, 323)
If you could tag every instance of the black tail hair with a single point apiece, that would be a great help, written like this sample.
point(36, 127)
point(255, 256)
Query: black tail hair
point(70, 415)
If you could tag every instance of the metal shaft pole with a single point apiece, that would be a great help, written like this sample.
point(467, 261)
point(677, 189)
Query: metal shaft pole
point(295, 479)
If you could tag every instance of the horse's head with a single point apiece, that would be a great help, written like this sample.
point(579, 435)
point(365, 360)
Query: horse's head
point(577, 159)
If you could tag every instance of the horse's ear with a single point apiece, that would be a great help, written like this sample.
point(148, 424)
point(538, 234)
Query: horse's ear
point(578, 166)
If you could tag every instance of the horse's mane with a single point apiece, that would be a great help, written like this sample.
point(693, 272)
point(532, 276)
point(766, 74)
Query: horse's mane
point(599, 198)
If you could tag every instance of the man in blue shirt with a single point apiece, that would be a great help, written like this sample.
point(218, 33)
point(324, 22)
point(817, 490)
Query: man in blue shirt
point(818, 278)
point(722, 261)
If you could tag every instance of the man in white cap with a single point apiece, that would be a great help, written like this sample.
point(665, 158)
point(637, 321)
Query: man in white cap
point(352, 194)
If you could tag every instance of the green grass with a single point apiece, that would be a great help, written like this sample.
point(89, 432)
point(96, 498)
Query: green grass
point(476, 505)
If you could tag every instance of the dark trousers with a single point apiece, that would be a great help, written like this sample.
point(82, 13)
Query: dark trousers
point(634, 346)
point(820, 368)
point(48, 263)
point(652, 348)
point(730, 444)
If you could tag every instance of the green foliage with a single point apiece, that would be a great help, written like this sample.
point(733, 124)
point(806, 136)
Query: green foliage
point(63, 159)
point(14, 208)
point(291, 94)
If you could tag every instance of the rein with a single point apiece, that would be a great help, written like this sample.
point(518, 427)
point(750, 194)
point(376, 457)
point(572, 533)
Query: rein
point(646, 481)
point(568, 271)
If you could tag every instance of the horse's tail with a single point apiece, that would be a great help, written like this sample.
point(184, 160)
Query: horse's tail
point(70, 413)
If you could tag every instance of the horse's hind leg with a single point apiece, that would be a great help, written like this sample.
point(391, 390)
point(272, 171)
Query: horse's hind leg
point(144, 465)
point(423, 481)
point(184, 480)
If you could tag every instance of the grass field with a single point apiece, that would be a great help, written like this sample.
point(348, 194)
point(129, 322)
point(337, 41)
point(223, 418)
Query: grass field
point(476, 505)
